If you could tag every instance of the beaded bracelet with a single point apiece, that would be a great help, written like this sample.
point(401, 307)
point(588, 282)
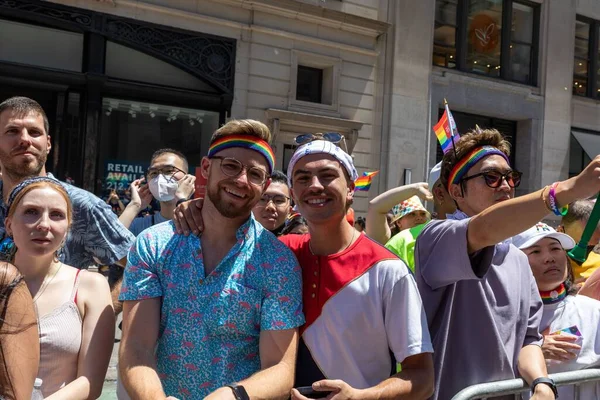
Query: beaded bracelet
point(543, 198)
point(554, 204)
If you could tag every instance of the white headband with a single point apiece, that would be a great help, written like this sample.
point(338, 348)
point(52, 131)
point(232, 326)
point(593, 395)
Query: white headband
point(323, 147)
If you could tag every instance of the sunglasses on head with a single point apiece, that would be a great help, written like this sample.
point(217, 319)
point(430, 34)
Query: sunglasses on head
point(333, 137)
point(494, 179)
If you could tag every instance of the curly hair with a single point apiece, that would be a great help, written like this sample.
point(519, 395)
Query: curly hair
point(467, 143)
point(248, 127)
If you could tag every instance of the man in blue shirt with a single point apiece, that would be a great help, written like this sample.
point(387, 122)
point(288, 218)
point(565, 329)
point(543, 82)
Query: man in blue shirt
point(222, 310)
point(96, 235)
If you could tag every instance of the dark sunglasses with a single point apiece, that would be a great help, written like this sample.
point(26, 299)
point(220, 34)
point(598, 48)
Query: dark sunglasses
point(494, 179)
point(333, 137)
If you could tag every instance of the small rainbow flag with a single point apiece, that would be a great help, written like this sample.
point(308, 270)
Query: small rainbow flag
point(364, 182)
point(445, 130)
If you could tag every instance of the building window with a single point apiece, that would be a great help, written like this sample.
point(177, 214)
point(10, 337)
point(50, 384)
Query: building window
point(583, 147)
point(444, 41)
point(496, 38)
point(132, 130)
point(315, 83)
point(585, 80)
point(309, 85)
point(465, 122)
point(37, 46)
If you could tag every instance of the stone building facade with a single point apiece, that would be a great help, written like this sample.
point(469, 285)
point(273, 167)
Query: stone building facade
point(121, 78)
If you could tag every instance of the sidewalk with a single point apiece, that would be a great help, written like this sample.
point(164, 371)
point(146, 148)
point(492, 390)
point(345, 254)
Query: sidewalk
point(109, 392)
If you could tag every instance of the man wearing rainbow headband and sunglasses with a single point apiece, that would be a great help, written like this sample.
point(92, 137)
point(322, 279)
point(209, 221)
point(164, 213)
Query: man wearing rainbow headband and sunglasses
point(222, 310)
point(481, 300)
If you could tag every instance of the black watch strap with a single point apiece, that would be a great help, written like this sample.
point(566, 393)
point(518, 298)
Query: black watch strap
point(239, 392)
point(545, 381)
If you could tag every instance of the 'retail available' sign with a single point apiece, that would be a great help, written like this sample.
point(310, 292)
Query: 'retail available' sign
point(118, 175)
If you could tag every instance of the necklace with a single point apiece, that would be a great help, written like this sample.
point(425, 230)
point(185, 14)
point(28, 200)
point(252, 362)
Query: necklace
point(45, 283)
point(344, 249)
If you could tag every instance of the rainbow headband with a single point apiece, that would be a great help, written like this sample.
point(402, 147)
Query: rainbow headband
point(466, 163)
point(246, 142)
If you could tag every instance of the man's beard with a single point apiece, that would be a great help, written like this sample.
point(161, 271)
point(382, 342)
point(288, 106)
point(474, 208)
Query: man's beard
point(227, 209)
point(18, 171)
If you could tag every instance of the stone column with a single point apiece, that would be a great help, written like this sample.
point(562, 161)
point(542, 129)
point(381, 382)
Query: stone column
point(408, 91)
point(557, 45)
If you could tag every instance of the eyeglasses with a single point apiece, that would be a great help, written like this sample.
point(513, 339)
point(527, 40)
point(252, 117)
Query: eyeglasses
point(168, 171)
point(494, 179)
point(278, 199)
point(233, 168)
point(333, 137)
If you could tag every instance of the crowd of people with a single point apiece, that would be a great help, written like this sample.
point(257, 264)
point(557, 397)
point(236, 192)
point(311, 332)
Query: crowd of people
point(269, 287)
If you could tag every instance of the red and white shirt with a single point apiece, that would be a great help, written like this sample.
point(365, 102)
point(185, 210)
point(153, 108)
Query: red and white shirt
point(363, 313)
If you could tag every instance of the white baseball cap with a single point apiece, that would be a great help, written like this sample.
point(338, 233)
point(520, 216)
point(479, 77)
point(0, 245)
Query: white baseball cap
point(434, 175)
point(539, 231)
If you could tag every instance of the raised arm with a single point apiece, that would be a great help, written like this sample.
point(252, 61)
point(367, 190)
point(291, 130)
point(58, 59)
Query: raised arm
point(140, 198)
point(137, 362)
point(97, 340)
point(511, 217)
point(377, 227)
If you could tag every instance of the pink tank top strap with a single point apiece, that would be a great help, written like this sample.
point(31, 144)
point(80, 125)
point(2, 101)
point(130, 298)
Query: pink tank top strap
point(75, 287)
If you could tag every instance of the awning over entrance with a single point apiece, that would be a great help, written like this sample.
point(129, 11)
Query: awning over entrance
point(589, 142)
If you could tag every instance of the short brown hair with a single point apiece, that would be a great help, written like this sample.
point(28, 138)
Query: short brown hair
point(23, 106)
point(248, 127)
point(467, 143)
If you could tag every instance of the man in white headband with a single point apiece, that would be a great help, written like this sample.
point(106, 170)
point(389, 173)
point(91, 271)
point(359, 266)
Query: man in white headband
point(355, 292)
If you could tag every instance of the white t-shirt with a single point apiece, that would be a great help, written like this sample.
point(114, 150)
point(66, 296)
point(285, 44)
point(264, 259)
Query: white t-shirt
point(584, 313)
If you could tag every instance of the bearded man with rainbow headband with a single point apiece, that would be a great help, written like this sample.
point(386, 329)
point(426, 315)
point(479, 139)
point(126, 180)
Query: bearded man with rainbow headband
point(480, 297)
point(222, 310)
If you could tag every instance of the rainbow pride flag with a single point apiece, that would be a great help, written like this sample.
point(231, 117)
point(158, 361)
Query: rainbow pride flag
point(364, 182)
point(445, 130)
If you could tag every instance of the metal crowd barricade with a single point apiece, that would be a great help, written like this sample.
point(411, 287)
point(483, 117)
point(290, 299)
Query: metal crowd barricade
point(518, 386)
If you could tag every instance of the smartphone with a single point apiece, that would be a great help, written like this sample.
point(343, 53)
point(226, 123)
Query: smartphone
point(572, 330)
point(309, 392)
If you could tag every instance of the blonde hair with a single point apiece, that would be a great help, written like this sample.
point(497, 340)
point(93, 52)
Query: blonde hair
point(248, 127)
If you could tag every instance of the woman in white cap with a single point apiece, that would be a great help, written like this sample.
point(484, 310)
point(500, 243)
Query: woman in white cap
point(569, 323)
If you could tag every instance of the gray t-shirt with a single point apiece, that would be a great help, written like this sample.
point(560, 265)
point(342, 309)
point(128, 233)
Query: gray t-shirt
point(481, 308)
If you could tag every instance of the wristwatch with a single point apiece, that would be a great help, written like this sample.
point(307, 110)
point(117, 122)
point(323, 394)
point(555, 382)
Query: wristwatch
point(545, 381)
point(238, 391)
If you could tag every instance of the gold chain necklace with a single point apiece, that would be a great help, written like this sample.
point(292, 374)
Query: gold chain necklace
point(344, 249)
point(45, 283)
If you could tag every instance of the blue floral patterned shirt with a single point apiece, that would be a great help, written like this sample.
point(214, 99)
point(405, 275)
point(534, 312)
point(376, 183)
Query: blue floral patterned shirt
point(210, 325)
point(96, 235)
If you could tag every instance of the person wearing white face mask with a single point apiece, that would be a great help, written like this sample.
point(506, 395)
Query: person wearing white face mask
point(168, 181)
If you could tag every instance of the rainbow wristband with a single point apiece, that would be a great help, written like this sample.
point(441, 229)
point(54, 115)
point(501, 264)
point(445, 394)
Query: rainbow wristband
point(554, 204)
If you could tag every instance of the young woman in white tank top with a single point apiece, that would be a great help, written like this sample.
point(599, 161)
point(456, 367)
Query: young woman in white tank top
point(74, 308)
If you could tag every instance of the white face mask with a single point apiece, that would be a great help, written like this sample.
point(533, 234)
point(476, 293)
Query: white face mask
point(162, 189)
